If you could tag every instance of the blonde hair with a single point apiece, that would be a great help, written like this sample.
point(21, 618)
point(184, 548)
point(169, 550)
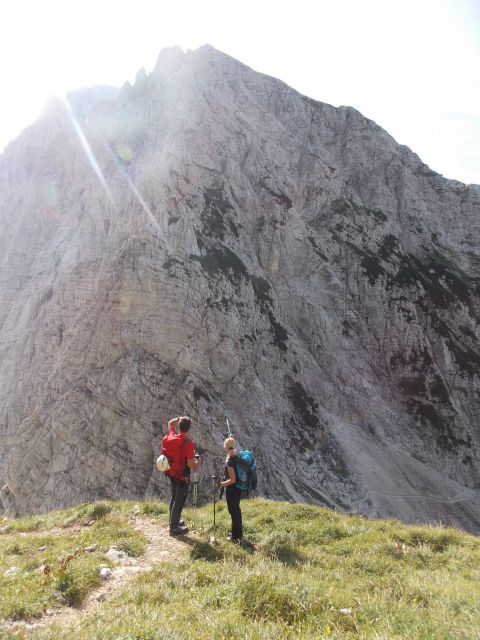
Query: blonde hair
point(230, 445)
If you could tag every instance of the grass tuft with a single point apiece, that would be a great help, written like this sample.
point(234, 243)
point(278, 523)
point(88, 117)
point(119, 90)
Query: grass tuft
point(277, 546)
point(99, 510)
point(154, 508)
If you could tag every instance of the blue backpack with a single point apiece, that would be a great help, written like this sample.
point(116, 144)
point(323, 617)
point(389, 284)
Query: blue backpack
point(246, 472)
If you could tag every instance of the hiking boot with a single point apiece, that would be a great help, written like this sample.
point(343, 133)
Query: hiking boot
point(181, 523)
point(179, 531)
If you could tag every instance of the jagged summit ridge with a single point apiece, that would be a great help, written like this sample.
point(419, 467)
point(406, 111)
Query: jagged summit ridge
point(224, 246)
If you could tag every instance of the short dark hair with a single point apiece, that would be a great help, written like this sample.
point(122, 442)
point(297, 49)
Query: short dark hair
point(185, 424)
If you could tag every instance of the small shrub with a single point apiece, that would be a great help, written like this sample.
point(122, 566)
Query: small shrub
point(14, 550)
point(154, 508)
point(73, 519)
point(20, 613)
point(99, 510)
point(132, 546)
point(76, 582)
point(24, 525)
point(69, 588)
point(203, 580)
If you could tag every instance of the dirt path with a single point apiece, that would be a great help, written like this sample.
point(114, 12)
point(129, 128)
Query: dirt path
point(160, 548)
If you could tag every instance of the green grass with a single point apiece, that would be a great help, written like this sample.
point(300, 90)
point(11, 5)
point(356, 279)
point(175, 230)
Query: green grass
point(314, 574)
point(29, 544)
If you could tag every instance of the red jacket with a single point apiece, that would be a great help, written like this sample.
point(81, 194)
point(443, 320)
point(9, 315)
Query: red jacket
point(178, 448)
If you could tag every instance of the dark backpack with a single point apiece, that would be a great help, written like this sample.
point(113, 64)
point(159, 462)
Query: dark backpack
point(172, 447)
point(246, 472)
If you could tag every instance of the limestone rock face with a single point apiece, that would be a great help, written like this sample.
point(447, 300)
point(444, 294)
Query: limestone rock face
point(210, 242)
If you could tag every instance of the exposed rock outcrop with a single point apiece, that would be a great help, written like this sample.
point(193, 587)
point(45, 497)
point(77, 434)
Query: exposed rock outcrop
point(209, 241)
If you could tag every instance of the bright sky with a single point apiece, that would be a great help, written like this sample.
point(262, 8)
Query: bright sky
point(413, 66)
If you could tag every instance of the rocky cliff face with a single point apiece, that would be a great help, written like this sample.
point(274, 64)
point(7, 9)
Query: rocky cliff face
point(210, 242)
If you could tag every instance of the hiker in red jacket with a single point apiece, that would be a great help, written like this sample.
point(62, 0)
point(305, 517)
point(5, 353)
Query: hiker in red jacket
point(180, 451)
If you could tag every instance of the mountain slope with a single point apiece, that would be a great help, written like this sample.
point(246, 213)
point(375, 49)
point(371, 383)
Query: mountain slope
point(210, 242)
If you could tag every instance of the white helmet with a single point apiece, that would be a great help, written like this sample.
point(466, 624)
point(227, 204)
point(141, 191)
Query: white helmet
point(162, 463)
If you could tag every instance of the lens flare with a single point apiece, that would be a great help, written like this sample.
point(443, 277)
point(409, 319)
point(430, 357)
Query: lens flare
point(135, 191)
point(121, 150)
point(89, 153)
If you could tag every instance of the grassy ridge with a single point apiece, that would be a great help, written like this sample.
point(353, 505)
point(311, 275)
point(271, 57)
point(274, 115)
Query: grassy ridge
point(57, 541)
point(314, 574)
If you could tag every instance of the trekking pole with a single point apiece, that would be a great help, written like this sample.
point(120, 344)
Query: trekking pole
point(194, 502)
point(229, 432)
point(213, 539)
point(195, 481)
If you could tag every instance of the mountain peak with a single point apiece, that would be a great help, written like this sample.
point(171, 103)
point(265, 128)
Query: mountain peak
point(170, 59)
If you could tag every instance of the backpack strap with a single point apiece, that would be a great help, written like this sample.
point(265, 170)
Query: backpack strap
point(185, 441)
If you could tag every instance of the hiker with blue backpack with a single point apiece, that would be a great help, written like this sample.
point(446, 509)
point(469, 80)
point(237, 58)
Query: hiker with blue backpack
point(240, 479)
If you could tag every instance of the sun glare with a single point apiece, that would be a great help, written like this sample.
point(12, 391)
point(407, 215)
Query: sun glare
point(396, 62)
